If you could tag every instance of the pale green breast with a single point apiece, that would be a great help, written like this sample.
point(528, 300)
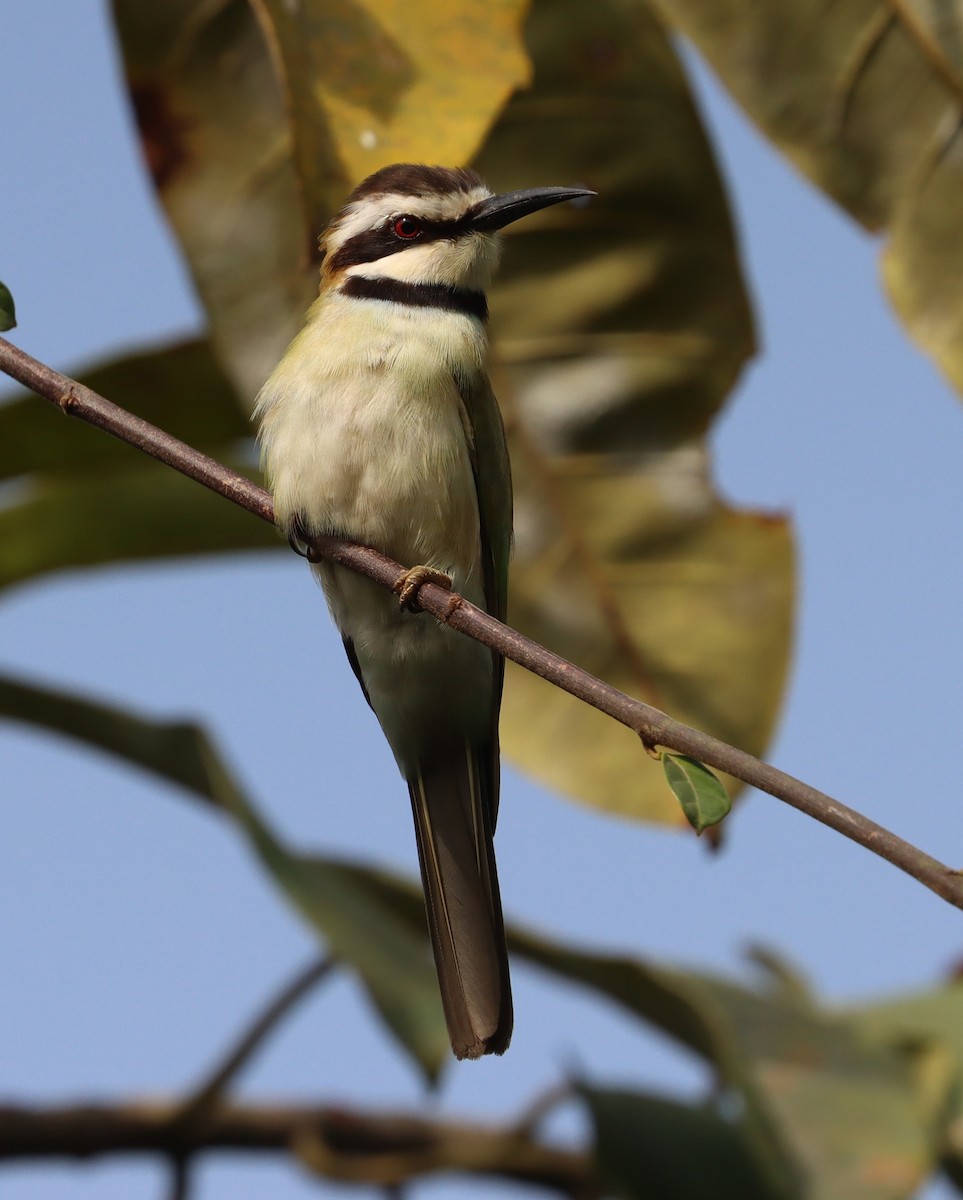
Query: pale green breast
point(364, 432)
point(377, 425)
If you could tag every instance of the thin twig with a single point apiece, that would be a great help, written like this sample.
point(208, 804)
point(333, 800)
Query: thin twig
point(207, 1095)
point(379, 1149)
point(653, 726)
point(538, 1109)
point(180, 1177)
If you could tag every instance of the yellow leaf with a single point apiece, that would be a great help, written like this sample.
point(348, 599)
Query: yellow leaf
point(865, 99)
point(373, 82)
point(621, 330)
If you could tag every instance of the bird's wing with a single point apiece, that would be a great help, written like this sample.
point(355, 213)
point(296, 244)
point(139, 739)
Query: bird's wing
point(454, 796)
point(493, 486)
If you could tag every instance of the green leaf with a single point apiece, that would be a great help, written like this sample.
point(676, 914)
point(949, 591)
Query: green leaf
point(854, 1116)
point(147, 513)
point(345, 903)
point(647, 1146)
point(825, 1110)
point(179, 387)
point(8, 316)
point(82, 499)
point(703, 798)
point(177, 751)
point(930, 1025)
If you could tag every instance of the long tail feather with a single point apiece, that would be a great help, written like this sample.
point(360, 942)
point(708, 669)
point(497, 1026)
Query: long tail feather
point(453, 822)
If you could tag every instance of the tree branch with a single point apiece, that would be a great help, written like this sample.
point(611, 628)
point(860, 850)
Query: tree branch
point(382, 1149)
point(209, 1093)
point(653, 726)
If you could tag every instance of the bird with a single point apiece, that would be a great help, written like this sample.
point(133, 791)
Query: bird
point(379, 425)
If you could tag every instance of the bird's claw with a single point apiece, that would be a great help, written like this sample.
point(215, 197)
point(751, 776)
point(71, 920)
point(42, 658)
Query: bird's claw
point(297, 545)
point(408, 583)
point(298, 540)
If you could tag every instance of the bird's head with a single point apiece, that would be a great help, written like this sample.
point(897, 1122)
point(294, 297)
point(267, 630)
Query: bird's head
point(420, 224)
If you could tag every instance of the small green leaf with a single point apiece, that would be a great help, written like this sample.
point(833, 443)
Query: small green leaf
point(8, 316)
point(703, 798)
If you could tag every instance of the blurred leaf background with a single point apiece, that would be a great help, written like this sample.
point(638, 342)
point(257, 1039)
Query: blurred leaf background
point(620, 331)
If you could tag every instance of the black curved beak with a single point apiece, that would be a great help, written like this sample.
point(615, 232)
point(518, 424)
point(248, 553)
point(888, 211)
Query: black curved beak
point(498, 211)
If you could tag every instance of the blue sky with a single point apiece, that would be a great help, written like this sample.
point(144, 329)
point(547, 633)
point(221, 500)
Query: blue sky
point(138, 936)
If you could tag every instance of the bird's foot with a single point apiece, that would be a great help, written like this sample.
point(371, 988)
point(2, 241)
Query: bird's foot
point(298, 540)
point(408, 583)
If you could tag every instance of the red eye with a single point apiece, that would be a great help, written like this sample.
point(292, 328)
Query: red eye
point(407, 227)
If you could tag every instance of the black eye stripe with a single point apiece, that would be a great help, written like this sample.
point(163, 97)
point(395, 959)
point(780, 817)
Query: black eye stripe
point(373, 244)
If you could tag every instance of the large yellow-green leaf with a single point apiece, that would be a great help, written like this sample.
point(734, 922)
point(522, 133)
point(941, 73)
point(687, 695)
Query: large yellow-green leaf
point(931, 1021)
point(75, 497)
point(860, 1116)
point(620, 329)
point(828, 1110)
point(371, 82)
point(424, 81)
point(214, 136)
point(864, 96)
point(698, 625)
point(347, 905)
point(831, 1106)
